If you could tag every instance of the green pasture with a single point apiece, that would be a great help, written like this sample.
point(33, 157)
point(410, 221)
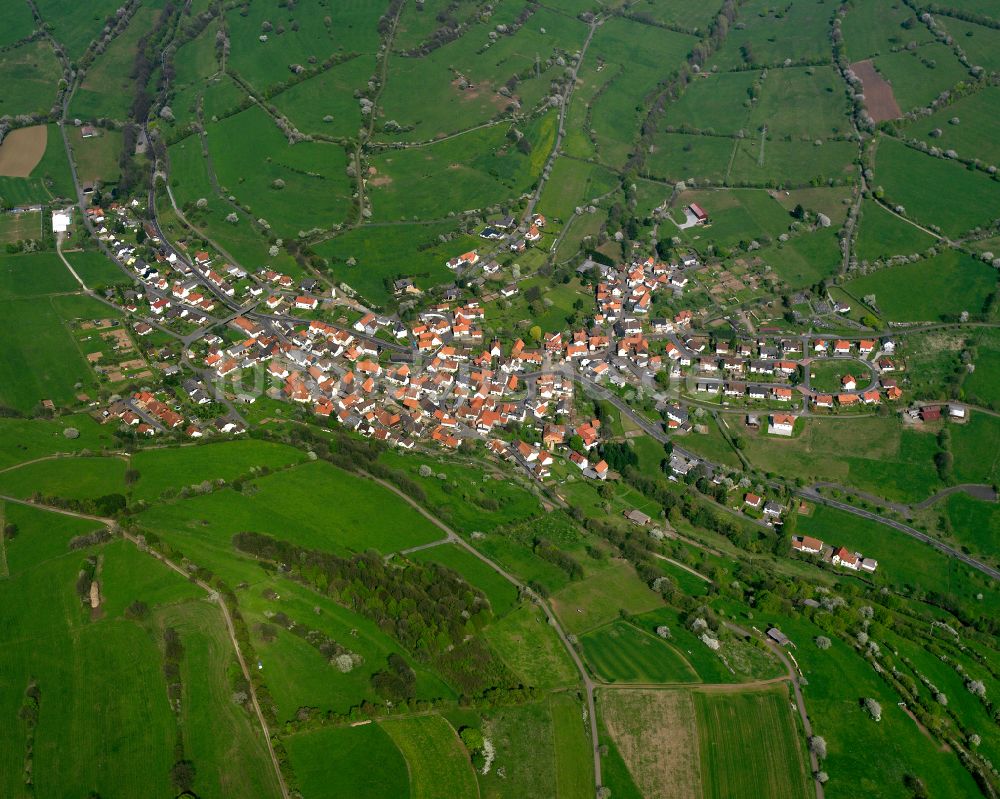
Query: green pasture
point(67, 478)
point(76, 25)
point(806, 259)
point(474, 170)
point(802, 102)
point(16, 22)
point(501, 593)
point(878, 754)
point(42, 359)
point(50, 177)
point(18, 227)
point(249, 153)
point(972, 133)
point(386, 253)
point(981, 45)
point(875, 454)
point(597, 599)
point(97, 157)
point(882, 234)
point(438, 763)
point(573, 184)
point(641, 56)
point(330, 94)
point(27, 439)
point(33, 276)
point(307, 31)
point(920, 75)
point(161, 470)
point(528, 645)
point(426, 97)
point(108, 88)
point(621, 652)
point(942, 286)
point(750, 746)
point(716, 101)
point(770, 35)
point(681, 157)
point(873, 27)
point(28, 77)
point(315, 505)
point(792, 163)
point(976, 447)
point(361, 761)
point(96, 269)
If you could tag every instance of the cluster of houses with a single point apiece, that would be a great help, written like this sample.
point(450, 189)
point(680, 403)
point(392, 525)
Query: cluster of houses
point(838, 556)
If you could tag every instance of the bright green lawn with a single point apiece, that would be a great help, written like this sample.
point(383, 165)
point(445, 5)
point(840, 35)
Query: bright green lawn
point(438, 762)
point(621, 652)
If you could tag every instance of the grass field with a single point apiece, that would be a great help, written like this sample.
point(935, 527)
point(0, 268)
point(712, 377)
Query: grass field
point(749, 746)
point(74, 27)
point(17, 227)
point(15, 23)
point(942, 286)
point(438, 764)
point(621, 652)
point(976, 446)
point(69, 478)
point(249, 153)
point(916, 181)
point(802, 102)
point(677, 156)
point(476, 169)
point(97, 158)
point(96, 269)
point(873, 454)
point(881, 234)
point(792, 163)
point(28, 75)
point(806, 259)
point(42, 360)
point(362, 761)
point(108, 88)
point(971, 136)
point(315, 505)
point(572, 184)
point(308, 103)
point(26, 439)
point(656, 734)
point(919, 76)
point(597, 599)
point(528, 645)
point(163, 469)
point(385, 254)
point(719, 102)
point(736, 215)
point(501, 593)
point(773, 34)
point(980, 44)
point(874, 27)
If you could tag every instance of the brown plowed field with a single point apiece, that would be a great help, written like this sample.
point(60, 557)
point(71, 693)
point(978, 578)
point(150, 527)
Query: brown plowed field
point(879, 99)
point(21, 151)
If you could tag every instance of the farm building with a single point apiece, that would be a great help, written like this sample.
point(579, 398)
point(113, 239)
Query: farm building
point(699, 213)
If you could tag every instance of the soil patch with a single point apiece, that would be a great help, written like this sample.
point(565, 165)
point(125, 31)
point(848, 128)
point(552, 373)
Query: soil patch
point(879, 99)
point(21, 151)
point(656, 733)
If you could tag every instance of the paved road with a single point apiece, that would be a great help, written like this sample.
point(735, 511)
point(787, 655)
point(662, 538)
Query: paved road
point(813, 496)
point(656, 432)
point(212, 594)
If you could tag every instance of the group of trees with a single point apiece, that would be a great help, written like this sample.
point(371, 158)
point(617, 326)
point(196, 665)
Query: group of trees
point(426, 607)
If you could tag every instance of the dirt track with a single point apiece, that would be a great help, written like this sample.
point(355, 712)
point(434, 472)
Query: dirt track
point(21, 151)
point(879, 99)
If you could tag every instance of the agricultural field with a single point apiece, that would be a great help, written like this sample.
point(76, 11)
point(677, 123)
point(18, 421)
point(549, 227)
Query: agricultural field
point(96, 269)
point(438, 765)
point(67, 478)
point(772, 35)
point(97, 157)
point(529, 647)
point(749, 745)
point(656, 734)
point(77, 25)
point(817, 96)
point(598, 598)
point(792, 163)
point(16, 23)
point(621, 652)
point(805, 259)
point(931, 289)
point(735, 215)
point(678, 156)
point(27, 439)
point(920, 75)
point(572, 184)
point(873, 27)
point(311, 103)
point(979, 43)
